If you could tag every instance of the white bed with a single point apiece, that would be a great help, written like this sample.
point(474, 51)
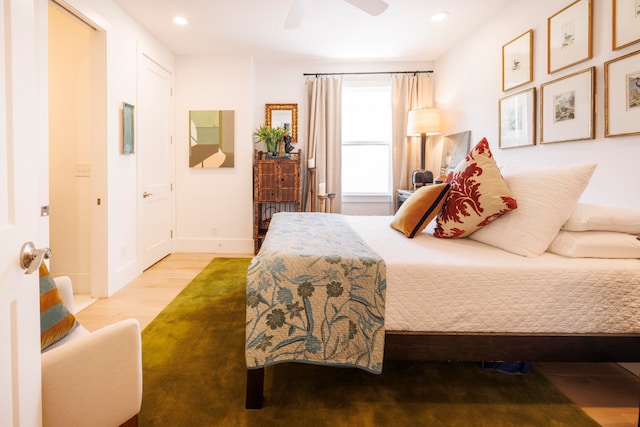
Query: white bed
point(496, 295)
point(463, 300)
point(466, 286)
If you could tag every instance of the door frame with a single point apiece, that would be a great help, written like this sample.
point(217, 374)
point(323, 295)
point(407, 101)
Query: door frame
point(98, 246)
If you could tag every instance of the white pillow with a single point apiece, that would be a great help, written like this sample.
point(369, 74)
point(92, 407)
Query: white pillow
point(590, 216)
point(595, 244)
point(546, 198)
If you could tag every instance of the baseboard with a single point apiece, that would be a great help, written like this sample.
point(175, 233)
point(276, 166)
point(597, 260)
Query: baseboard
point(222, 246)
point(82, 301)
point(123, 276)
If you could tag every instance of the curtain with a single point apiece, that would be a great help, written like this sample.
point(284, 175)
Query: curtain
point(408, 92)
point(324, 139)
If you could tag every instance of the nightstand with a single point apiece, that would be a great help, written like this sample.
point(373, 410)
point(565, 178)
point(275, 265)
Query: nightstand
point(402, 195)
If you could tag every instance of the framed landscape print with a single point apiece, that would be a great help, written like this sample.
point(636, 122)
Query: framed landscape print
point(626, 23)
point(517, 119)
point(517, 61)
point(567, 110)
point(622, 95)
point(569, 36)
point(128, 138)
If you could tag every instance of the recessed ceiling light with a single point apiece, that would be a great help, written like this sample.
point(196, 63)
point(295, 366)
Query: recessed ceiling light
point(180, 20)
point(439, 16)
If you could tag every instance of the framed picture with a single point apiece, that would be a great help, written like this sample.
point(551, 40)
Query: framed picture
point(128, 139)
point(622, 95)
point(517, 61)
point(626, 23)
point(569, 36)
point(567, 110)
point(517, 117)
point(454, 149)
point(212, 138)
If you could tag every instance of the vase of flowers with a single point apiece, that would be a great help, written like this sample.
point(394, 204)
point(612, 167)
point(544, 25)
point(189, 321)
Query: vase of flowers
point(270, 136)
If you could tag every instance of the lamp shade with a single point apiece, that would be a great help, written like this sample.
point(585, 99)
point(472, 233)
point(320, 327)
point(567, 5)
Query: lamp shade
point(424, 121)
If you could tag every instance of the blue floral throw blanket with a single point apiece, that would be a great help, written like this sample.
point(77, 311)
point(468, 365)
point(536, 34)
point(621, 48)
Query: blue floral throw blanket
point(315, 294)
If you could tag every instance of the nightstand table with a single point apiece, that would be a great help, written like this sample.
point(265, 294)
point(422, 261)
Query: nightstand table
point(402, 196)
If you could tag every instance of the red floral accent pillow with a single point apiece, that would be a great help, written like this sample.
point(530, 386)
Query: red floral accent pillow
point(478, 195)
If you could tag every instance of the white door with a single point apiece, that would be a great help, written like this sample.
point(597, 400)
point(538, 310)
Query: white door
point(20, 141)
point(155, 154)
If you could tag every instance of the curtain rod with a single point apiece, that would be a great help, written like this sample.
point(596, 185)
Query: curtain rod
point(369, 72)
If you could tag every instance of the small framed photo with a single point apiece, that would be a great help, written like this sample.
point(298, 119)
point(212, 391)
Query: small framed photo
point(517, 119)
point(626, 23)
point(128, 136)
point(567, 110)
point(517, 61)
point(622, 95)
point(569, 36)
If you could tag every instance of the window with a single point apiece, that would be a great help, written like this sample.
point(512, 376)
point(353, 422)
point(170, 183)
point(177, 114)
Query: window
point(366, 137)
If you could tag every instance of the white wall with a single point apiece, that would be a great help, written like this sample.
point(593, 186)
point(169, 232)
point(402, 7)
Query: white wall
point(222, 199)
point(469, 86)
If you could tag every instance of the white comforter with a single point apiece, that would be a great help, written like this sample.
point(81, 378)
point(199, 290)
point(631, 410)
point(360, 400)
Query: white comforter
point(460, 285)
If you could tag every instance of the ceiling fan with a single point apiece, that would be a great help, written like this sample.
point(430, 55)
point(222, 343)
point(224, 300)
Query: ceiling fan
point(300, 8)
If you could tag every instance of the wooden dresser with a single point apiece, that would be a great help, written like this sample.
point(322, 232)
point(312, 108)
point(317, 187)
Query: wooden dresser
point(276, 188)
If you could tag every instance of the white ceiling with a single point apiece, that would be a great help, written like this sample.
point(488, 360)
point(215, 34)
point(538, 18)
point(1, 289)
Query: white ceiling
point(331, 29)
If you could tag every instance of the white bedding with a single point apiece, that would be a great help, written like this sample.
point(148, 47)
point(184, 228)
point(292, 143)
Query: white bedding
point(460, 285)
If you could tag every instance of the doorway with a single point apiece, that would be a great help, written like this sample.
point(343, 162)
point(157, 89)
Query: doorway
point(76, 140)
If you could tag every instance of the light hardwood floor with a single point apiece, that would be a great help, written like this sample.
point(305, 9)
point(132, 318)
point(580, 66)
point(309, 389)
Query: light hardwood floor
point(605, 391)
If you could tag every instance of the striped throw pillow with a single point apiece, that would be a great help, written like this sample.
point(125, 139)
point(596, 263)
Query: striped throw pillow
point(55, 320)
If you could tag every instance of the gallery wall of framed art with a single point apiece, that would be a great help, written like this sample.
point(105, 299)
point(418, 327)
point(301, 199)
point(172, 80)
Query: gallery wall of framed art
point(565, 106)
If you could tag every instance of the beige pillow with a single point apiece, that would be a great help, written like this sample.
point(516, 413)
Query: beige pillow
point(546, 198)
point(419, 209)
point(591, 216)
point(478, 195)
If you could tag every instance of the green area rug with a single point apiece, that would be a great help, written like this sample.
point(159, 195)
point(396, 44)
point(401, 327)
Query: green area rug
point(195, 373)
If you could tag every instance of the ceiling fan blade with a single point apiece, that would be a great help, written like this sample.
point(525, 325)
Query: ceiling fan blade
point(297, 12)
point(372, 7)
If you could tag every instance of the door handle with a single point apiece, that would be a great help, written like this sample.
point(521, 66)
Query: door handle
point(145, 194)
point(31, 258)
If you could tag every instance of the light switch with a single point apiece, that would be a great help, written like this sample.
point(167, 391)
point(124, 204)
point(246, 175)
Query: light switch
point(83, 169)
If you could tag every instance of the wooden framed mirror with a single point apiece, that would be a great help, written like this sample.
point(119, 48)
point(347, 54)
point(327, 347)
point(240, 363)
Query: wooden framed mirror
point(285, 115)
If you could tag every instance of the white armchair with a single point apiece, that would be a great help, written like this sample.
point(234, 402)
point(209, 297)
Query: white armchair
point(92, 378)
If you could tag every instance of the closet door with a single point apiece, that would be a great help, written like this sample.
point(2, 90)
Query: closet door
point(156, 158)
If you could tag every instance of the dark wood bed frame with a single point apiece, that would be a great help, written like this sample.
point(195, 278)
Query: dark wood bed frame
point(470, 347)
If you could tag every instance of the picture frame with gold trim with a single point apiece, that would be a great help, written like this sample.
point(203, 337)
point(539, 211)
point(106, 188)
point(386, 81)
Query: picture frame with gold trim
point(567, 107)
point(517, 119)
point(517, 61)
point(625, 23)
point(570, 36)
point(622, 95)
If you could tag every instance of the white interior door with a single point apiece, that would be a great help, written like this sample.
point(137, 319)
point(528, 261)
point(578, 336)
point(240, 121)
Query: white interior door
point(155, 156)
point(19, 306)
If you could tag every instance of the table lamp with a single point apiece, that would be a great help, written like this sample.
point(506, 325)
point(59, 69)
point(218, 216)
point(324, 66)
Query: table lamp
point(423, 122)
